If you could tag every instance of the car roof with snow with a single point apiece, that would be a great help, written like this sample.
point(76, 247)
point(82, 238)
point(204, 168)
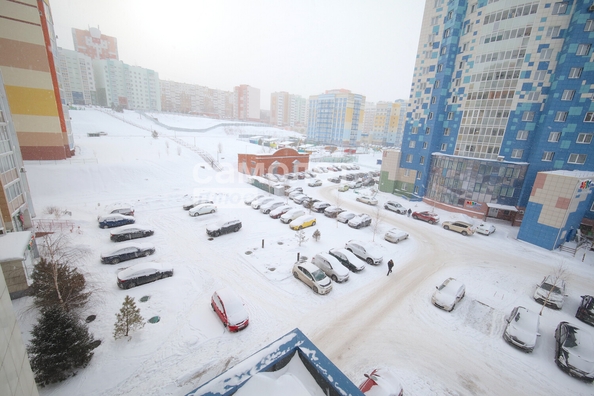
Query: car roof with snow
point(143, 269)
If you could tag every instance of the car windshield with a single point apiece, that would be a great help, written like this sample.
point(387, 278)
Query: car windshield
point(319, 275)
point(551, 288)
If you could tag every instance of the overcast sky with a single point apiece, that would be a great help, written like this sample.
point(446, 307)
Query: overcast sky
point(303, 47)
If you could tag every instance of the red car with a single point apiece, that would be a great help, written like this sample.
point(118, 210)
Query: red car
point(381, 382)
point(429, 217)
point(229, 308)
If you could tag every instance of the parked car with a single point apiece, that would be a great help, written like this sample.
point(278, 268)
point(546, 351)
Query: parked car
point(363, 220)
point(309, 201)
point(127, 253)
point(299, 198)
point(302, 222)
point(585, 311)
point(395, 207)
point(278, 212)
point(334, 179)
point(429, 217)
point(364, 251)
point(332, 211)
point(381, 382)
point(345, 216)
point(115, 220)
point(223, 227)
point(448, 294)
point(459, 226)
point(295, 193)
point(331, 267)
point(367, 182)
point(367, 200)
point(192, 204)
point(550, 292)
point(313, 277)
point(485, 229)
point(315, 183)
point(348, 259)
point(291, 176)
point(343, 188)
point(395, 235)
point(251, 198)
point(311, 174)
point(574, 351)
point(124, 210)
point(292, 215)
point(293, 189)
point(142, 273)
point(259, 202)
point(130, 232)
point(300, 175)
point(202, 209)
point(268, 207)
point(230, 309)
point(349, 177)
point(320, 206)
point(521, 330)
point(356, 184)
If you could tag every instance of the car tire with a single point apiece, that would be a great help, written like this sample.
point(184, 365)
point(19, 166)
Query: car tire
point(313, 224)
point(236, 229)
point(300, 227)
point(104, 227)
point(212, 211)
point(130, 285)
point(167, 274)
point(415, 217)
point(445, 227)
point(464, 233)
point(315, 289)
point(334, 278)
point(295, 275)
point(147, 253)
point(369, 261)
point(218, 233)
point(115, 260)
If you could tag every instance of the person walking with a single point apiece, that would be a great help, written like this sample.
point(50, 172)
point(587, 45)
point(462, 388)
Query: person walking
point(390, 266)
point(408, 212)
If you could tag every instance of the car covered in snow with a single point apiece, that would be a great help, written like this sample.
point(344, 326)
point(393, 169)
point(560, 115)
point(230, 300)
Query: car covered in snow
point(127, 233)
point(252, 197)
point(115, 220)
point(331, 267)
point(395, 207)
point(521, 330)
point(190, 205)
point(550, 292)
point(268, 207)
point(292, 214)
point(334, 179)
point(223, 227)
point(298, 199)
point(230, 309)
point(381, 382)
point(365, 251)
point(315, 183)
point(332, 211)
point(485, 229)
point(585, 311)
point(278, 212)
point(574, 351)
point(125, 253)
point(313, 277)
point(294, 193)
point(461, 227)
point(124, 210)
point(261, 201)
point(348, 259)
point(302, 222)
point(427, 216)
point(363, 220)
point(448, 294)
point(345, 216)
point(395, 235)
point(367, 200)
point(320, 206)
point(202, 209)
point(142, 273)
point(343, 188)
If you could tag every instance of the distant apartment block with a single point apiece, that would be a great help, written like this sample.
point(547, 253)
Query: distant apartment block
point(246, 103)
point(336, 117)
point(29, 66)
point(388, 123)
point(78, 81)
point(94, 44)
point(195, 99)
point(129, 87)
point(368, 122)
point(287, 110)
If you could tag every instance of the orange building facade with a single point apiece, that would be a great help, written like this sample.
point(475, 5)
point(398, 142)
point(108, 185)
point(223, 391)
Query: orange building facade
point(281, 162)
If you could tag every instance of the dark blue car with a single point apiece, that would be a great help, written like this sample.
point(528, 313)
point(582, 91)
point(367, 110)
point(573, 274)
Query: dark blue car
point(115, 220)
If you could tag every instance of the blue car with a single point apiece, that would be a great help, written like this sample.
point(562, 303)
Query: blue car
point(115, 220)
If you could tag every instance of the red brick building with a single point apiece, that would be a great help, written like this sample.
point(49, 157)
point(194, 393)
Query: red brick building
point(281, 162)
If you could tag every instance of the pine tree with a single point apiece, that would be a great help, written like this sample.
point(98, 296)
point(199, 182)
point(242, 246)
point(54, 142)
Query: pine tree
point(59, 346)
point(128, 319)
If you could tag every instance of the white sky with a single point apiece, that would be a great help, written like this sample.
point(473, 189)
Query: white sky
point(304, 47)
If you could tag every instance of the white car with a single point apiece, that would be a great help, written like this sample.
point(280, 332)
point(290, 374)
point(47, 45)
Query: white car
point(395, 235)
point(448, 294)
point(278, 212)
point(298, 198)
point(550, 292)
point(202, 209)
point(315, 183)
point(331, 267)
point(344, 217)
point(381, 382)
point(313, 277)
point(294, 193)
point(348, 259)
point(252, 197)
point(522, 329)
point(259, 202)
point(485, 229)
point(363, 220)
point(292, 215)
point(267, 207)
point(365, 251)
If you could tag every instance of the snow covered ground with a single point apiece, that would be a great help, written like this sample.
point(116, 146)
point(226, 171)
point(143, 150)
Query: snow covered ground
point(370, 321)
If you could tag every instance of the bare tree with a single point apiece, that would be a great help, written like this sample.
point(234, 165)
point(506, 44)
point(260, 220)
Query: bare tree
point(377, 219)
point(337, 201)
point(556, 279)
point(300, 235)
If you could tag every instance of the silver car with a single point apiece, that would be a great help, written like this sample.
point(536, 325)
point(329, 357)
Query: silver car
point(550, 292)
point(448, 294)
point(313, 277)
point(521, 330)
point(364, 251)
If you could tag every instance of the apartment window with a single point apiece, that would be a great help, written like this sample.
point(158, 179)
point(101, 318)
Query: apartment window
point(522, 135)
point(473, 8)
point(427, 130)
point(546, 53)
point(517, 153)
point(560, 8)
point(407, 172)
point(583, 49)
point(412, 144)
point(417, 116)
point(454, 99)
point(467, 28)
point(589, 25)
point(433, 99)
point(446, 131)
point(548, 156)
point(461, 65)
point(425, 144)
point(444, 50)
point(444, 146)
point(589, 117)
point(575, 72)
point(568, 94)
point(439, 67)
point(409, 158)
point(450, 115)
point(540, 75)
point(414, 130)
point(422, 160)
point(561, 116)
point(554, 137)
point(464, 47)
point(419, 175)
point(579, 159)
point(553, 31)
point(528, 116)
point(430, 116)
point(436, 84)
point(584, 138)
point(450, 14)
point(416, 189)
point(447, 33)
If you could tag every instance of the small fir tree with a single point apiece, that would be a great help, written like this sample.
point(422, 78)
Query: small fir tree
point(60, 345)
point(128, 319)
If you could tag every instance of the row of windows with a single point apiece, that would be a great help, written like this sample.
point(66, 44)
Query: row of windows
point(506, 34)
point(502, 55)
point(511, 13)
point(13, 190)
point(498, 75)
point(490, 95)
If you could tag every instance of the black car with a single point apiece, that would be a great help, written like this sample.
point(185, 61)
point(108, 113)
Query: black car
point(332, 211)
point(585, 311)
point(127, 253)
point(140, 274)
point(226, 227)
point(574, 349)
point(131, 232)
point(320, 206)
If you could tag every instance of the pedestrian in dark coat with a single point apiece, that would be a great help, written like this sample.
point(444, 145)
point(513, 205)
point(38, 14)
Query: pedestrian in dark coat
point(390, 266)
point(408, 212)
